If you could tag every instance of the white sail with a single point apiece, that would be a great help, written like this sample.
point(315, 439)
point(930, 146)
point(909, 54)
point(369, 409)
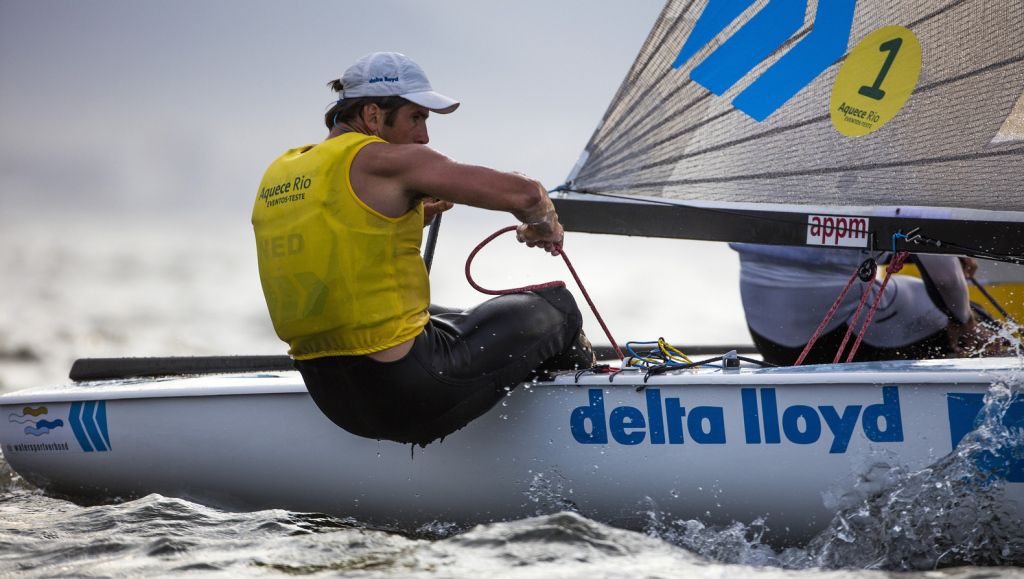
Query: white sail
point(746, 105)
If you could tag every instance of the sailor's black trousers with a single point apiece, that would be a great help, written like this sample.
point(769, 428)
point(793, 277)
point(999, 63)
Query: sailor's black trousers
point(460, 366)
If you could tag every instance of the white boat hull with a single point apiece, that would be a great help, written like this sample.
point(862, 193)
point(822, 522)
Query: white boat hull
point(719, 446)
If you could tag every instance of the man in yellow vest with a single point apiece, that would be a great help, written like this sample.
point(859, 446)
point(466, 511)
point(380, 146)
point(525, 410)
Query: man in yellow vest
point(338, 229)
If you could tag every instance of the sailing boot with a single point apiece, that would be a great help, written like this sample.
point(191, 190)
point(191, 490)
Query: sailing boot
point(578, 356)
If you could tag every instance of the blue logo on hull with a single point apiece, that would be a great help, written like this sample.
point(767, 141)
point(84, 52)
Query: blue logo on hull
point(88, 420)
point(1004, 461)
point(667, 420)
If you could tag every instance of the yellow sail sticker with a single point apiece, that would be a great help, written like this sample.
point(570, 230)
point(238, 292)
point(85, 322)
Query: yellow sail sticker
point(1012, 130)
point(876, 80)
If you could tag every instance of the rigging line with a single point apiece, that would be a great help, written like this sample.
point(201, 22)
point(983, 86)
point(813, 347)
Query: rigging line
point(772, 132)
point(613, 150)
point(620, 94)
point(827, 170)
point(970, 251)
point(828, 318)
point(992, 300)
point(894, 266)
point(550, 284)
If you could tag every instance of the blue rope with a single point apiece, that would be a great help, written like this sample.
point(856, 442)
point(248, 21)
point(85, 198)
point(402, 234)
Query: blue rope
point(895, 236)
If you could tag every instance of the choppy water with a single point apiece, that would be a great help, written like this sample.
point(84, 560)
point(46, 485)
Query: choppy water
point(152, 291)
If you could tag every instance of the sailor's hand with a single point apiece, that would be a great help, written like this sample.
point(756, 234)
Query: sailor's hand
point(432, 207)
point(546, 233)
point(974, 339)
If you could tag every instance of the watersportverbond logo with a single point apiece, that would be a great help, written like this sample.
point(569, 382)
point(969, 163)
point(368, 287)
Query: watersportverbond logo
point(668, 420)
point(837, 231)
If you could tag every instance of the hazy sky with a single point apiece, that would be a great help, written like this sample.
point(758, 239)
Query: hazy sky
point(148, 106)
point(118, 114)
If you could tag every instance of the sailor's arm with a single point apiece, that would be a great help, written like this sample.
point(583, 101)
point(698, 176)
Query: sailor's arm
point(947, 275)
point(421, 171)
point(967, 337)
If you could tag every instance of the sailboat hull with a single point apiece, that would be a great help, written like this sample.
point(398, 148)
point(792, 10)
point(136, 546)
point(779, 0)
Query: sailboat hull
point(789, 445)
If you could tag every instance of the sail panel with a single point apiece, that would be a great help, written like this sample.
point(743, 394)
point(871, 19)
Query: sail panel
point(1012, 131)
point(951, 145)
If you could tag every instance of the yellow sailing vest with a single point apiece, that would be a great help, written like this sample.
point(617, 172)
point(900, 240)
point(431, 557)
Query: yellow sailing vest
point(340, 279)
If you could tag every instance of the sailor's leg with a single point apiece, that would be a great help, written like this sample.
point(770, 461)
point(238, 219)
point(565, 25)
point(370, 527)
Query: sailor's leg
point(460, 366)
point(405, 401)
point(520, 332)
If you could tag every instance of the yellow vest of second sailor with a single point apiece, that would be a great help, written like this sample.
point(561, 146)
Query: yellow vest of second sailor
point(340, 279)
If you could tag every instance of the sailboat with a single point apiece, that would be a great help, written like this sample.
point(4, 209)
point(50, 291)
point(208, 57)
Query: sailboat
point(877, 126)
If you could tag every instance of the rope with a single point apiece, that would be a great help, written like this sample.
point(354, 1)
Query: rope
point(856, 316)
point(894, 266)
point(826, 320)
point(866, 270)
point(527, 288)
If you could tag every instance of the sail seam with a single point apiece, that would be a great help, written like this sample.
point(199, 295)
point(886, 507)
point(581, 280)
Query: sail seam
point(778, 130)
point(616, 150)
point(620, 94)
point(936, 13)
point(826, 171)
point(635, 72)
point(615, 146)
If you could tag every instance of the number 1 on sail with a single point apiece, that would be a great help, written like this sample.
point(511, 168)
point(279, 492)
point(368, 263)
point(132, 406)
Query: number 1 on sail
point(857, 108)
point(875, 91)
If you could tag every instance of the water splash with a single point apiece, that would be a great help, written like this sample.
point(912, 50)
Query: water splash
point(955, 512)
point(734, 544)
point(11, 481)
point(550, 491)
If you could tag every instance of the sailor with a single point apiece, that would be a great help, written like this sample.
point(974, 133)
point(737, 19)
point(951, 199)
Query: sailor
point(786, 292)
point(338, 228)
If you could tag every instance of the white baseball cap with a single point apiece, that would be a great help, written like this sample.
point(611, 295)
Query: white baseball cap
point(393, 74)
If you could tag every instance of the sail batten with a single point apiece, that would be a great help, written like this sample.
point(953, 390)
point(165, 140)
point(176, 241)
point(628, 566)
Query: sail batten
point(651, 162)
point(828, 171)
point(953, 140)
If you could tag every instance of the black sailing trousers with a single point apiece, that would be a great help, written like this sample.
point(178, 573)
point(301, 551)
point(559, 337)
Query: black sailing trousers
point(459, 367)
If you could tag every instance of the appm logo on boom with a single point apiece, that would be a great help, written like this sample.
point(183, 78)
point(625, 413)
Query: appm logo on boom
point(761, 36)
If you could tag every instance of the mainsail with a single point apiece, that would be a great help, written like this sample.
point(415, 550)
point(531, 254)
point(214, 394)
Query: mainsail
point(757, 120)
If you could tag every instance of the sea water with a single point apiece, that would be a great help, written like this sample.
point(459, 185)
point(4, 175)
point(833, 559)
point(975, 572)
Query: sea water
point(102, 290)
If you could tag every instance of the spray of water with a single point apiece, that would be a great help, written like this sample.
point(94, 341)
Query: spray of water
point(955, 512)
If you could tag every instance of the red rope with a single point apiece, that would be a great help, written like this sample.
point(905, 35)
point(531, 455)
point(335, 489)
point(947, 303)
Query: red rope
point(853, 321)
point(526, 288)
point(894, 266)
point(826, 320)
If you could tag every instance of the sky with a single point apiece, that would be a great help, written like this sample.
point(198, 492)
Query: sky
point(149, 107)
point(121, 114)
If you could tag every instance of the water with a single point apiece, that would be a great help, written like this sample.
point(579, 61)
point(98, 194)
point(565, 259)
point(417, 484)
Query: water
point(149, 290)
